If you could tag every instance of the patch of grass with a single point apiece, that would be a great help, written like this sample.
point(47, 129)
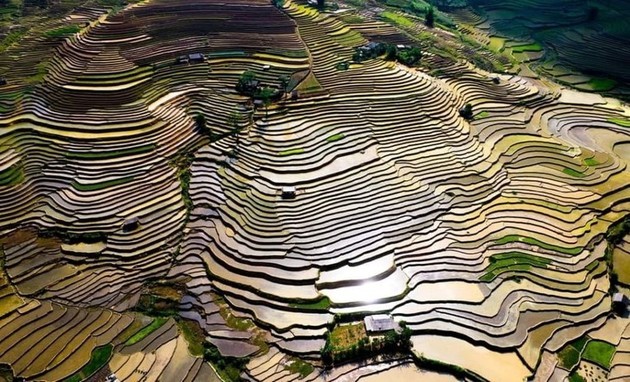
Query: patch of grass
point(309, 84)
point(623, 122)
point(482, 115)
point(575, 377)
point(144, 332)
point(322, 304)
point(602, 84)
point(590, 162)
point(231, 320)
point(99, 358)
point(297, 366)
point(599, 352)
point(396, 19)
point(101, 185)
point(111, 154)
point(12, 176)
point(496, 43)
point(194, 335)
point(534, 47)
point(345, 336)
point(10, 39)
point(291, 152)
point(62, 31)
point(570, 354)
point(512, 261)
point(531, 241)
point(573, 173)
point(569, 357)
point(336, 137)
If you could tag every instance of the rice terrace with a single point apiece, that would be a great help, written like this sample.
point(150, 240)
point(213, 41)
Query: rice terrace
point(321, 190)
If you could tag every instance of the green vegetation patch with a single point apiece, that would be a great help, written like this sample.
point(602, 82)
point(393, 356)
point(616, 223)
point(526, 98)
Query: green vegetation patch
point(482, 115)
point(531, 241)
point(194, 335)
point(575, 377)
point(396, 19)
point(602, 84)
point(591, 162)
point(573, 173)
point(12, 176)
point(309, 84)
point(322, 304)
point(569, 355)
point(111, 154)
point(291, 152)
point(144, 332)
point(599, 352)
point(160, 299)
point(10, 39)
point(231, 320)
point(228, 368)
point(344, 336)
point(623, 122)
point(297, 366)
point(62, 31)
point(350, 342)
point(512, 261)
point(533, 47)
point(101, 185)
point(99, 358)
point(336, 137)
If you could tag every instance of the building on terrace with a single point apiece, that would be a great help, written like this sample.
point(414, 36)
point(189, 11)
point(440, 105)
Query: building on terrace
point(288, 192)
point(620, 303)
point(379, 323)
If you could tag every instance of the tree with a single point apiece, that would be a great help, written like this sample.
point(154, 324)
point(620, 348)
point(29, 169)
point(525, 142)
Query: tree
point(392, 52)
point(200, 121)
point(245, 81)
point(265, 95)
point(321, 4)
point(410, 57)
point(466, 111)
point(284, 83)
point(429, 18)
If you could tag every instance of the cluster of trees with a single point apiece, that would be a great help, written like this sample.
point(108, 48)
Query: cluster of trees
point(391, 343)
point(230, 368)
point(408, 56)
point(249, 85)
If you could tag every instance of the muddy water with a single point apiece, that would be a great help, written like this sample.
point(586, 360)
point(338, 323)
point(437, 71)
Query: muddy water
point(407, 373)
point(476, 358)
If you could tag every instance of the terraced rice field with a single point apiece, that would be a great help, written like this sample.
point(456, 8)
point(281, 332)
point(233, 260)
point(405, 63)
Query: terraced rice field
point(484, 235)
point(576, 41)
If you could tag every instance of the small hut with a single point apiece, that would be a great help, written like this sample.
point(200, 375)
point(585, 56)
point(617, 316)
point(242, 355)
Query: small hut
point(196, 58)
point(288, 192)
point(131, 224)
